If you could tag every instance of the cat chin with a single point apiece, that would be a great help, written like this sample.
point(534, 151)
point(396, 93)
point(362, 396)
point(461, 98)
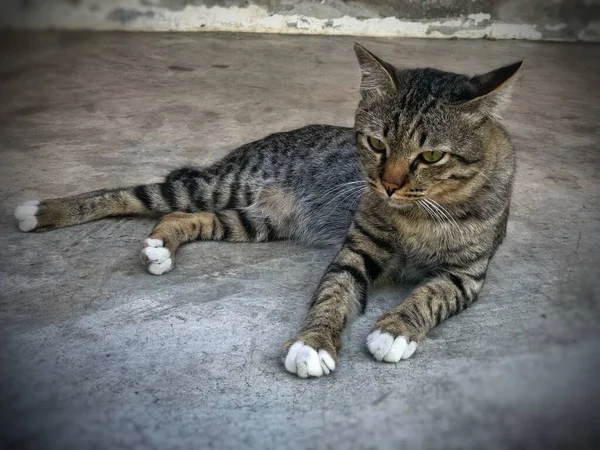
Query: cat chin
point(402, 206)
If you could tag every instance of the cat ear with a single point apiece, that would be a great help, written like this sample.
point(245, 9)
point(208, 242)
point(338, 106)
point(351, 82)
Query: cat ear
point(490, 92)
point(377, 75)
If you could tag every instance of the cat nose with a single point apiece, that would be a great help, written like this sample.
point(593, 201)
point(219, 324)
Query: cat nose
point(394, 176)
point(390, 188)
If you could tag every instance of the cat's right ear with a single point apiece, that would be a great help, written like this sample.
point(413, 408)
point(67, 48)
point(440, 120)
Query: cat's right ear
point(489, 93)
point(377, 76)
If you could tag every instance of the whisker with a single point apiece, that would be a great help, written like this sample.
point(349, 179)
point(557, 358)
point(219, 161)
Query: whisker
point(432, 212)
point(358, 191)
point(442, 220)
point(448, 216)
point(356, 201)
point(435, 207)
point(422, 208)
point(351, 190)
point(485, 176)
point(320, 222)
point(444, 211)
point(340, 186)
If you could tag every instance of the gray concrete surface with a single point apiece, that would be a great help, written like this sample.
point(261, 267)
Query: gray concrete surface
point(498, 19)
point(97, 354)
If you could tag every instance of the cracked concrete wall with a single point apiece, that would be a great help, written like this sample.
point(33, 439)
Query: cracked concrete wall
point(499, 19)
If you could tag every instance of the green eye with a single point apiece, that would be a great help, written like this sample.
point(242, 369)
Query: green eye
point(376, 144)
point(432, 157)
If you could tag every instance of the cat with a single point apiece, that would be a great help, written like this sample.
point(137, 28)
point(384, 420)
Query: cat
point(421, 185)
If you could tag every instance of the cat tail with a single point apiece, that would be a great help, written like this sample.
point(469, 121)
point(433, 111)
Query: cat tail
point(182, 190)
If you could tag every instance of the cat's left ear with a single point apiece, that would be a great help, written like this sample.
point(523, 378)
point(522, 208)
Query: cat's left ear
point(377, 75)
point(490, 91)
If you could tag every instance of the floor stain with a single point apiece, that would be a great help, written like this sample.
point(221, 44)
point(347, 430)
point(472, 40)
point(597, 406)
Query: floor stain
point(30, 110)
point(564, 179)
point(181, 68)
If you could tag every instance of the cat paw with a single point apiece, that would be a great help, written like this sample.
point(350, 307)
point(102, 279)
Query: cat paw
point(26, 215)
point(305, 361)
point(384, 347)
point(156, 257)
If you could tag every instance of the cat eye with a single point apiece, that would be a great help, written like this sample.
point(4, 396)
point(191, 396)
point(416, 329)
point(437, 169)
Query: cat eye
point(432, 157)
point(377, 145)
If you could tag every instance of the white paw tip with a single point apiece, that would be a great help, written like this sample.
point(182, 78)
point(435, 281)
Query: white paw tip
point(160, 268)
point(25, 214)
point(157, 258)
point(384, 347)
point(153, 242)
point(25, 211)
point(28, 224)
point(156, 254)
point(305, 361)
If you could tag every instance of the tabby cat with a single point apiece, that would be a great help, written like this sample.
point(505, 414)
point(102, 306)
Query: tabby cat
point(420, 186)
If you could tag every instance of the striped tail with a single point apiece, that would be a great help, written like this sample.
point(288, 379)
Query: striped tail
point(183, 190)
point(64, 212)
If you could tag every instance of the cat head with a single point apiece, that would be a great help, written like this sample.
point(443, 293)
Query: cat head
point(429, 134)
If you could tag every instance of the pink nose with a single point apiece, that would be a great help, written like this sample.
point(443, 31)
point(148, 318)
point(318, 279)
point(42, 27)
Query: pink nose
point(390, 188)
point(395, 176)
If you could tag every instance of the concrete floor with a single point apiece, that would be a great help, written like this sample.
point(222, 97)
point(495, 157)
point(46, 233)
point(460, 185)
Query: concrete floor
point(96, 353)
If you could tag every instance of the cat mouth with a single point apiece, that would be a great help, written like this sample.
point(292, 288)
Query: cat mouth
point(397, 199)
point(402, 202)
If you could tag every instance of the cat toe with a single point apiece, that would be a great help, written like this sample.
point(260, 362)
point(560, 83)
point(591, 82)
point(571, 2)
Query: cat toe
point(384, 347)
point(26, 215)
point(305, 361)
point(157, 259)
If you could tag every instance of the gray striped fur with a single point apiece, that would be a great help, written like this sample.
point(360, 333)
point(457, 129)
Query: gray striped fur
point(325, 184)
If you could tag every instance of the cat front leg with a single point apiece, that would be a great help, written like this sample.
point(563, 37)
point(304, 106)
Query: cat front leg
point(399, 330)
point(341, 293)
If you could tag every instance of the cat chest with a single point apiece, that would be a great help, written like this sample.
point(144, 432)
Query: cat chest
point(429, 248)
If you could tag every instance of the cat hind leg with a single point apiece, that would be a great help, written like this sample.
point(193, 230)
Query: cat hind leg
point(175, 229)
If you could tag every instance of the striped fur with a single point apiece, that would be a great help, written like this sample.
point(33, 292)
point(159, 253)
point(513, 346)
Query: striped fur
point(322, 184)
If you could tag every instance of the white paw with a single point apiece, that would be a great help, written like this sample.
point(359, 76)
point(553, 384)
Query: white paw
point(25, 214)
point(305, 361)
point(384, 347)
point(158, 259)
